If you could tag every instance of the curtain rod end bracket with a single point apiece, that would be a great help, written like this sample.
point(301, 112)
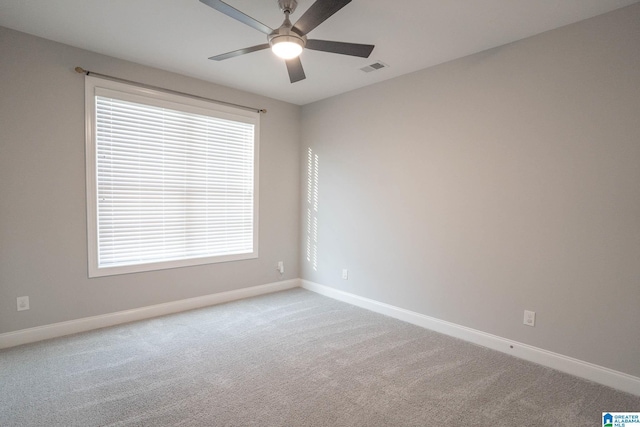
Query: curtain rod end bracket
point(263, 111)
point(81, 70)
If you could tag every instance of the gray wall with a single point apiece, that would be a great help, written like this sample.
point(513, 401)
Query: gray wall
point(503, 181)
point(43, 249)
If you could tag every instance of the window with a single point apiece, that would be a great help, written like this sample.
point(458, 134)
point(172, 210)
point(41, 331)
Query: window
point(171, 180)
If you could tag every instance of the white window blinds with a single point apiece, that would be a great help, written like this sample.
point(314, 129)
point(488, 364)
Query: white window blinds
point(174, 185)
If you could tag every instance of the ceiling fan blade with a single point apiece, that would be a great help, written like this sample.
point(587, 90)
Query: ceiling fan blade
point(319, 12)
point(353, 49)
point(296, 72)
point(234, 13)
point(240, 52)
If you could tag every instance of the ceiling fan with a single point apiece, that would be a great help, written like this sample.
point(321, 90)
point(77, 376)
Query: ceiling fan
point(289, 40)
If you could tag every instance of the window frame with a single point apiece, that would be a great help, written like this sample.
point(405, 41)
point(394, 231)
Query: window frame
point(93, 87)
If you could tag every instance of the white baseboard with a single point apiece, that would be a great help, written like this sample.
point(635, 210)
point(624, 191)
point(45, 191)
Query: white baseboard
point(570, 365)
point(55, 330)
point(579, 368)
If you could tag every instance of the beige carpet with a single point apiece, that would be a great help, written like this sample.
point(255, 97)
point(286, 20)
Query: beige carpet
point(288, 359)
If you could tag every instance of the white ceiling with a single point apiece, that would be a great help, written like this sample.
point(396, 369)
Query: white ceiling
point(179, 36)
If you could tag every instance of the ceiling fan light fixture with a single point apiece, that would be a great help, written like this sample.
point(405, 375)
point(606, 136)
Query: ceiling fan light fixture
point(287, 47)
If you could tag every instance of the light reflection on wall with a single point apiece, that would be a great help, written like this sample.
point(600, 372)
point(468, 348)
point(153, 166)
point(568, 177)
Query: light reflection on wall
point(312, 208)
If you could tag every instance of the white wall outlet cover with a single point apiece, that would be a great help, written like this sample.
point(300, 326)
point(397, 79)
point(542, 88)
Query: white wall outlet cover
point(529, 318)
point(22, 303)
point(280, 267)
point(345, 274)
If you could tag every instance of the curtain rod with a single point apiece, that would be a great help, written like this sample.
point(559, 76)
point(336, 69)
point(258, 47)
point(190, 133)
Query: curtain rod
point(81, 70)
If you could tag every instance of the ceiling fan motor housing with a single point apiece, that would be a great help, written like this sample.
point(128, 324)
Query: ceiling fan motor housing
point(285, 33)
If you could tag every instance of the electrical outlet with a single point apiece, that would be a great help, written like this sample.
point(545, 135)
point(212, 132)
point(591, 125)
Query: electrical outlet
point(345, 274)
point(529, 318)
point(280, 267)
point(23, 303)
